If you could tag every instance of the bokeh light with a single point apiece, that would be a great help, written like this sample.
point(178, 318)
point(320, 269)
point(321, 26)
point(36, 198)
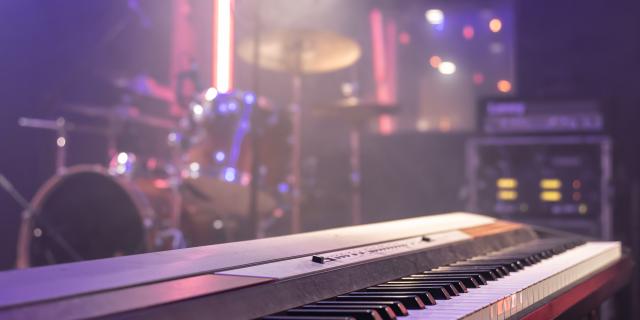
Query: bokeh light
point(435, 61)
point(447, 68)
point(404, 38)
point(434, 16)
point(504, 86)
point(468, 32)
point(478, 78)
point(495, 25)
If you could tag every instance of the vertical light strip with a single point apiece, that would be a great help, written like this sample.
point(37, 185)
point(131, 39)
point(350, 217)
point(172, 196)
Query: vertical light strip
point(379, 61)
point(391, 41)
point(380, 67)
point(222, 66)
point(386, 123)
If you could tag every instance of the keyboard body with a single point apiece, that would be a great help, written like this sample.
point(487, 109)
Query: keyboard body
point(534, 274)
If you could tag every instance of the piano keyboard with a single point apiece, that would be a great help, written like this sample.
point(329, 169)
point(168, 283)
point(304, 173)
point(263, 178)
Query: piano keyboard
point(450, 266)
point(503, 289)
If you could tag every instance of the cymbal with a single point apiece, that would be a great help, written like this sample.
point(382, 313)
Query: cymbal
point(354, 110)
point(302, 51)
point(123, 113)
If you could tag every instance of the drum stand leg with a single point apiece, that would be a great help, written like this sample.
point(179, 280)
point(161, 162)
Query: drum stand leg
point(296, 141)
point(356, 196)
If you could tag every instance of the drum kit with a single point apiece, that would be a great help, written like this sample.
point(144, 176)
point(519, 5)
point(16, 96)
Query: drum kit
point(200, 194)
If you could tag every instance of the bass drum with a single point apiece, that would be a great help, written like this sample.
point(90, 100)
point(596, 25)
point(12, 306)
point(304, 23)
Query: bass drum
point(87, 213)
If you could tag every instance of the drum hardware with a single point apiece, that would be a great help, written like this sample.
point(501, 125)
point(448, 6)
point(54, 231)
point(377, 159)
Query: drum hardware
point(28, 212)
point(299, 52)
point(99, 215)
point(217, 151)
point(62, 127)
point(122, 113)
point(356, 113)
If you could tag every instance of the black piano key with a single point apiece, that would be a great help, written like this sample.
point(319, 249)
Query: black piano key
point(468, 281)
point(358, 314)
point(511, 264)
point(410, 302)
point(451, 289)
point(499, 269)
point(460, 287)
point(505, 267)
point(305, 318)
point(476, 276)
point(384, 311)
point(487, 273)
point(426, 297)
point(438, 292)
point(519, 260)
point(398, 307)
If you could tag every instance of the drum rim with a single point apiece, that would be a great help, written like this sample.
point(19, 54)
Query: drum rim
point(23, 256)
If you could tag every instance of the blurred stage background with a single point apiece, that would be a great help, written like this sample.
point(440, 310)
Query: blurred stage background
point(56, 53)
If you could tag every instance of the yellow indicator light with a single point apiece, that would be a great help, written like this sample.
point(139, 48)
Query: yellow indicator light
point(550, 183)
point(507, 183)
point(507, 195)
point(582, 209)
point(550, 196)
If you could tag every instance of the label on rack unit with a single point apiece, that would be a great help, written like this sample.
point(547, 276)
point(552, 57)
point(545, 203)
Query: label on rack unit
point(329, 260)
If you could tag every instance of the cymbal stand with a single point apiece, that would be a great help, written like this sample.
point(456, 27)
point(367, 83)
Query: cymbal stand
point(61, 127)
point(296, 135)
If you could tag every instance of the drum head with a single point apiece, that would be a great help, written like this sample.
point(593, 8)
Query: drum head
point(91, 212)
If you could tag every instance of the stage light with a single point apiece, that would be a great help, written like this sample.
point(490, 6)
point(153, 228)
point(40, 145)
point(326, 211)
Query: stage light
point(232, 107)
point(576, 184)
point(550, 184)
point(198, 110)
point(223, 34)
point(507, 195)
point(435, 61)
point(211, 94)
point(122, 158)
point(434, 16)
point(507, 183)
point(582, 209)
point(447, 68)
point(404, 38)
point(576, 196)
point(249, 98)
point(478, 78)
point(423, 125)
point(61, 142)
point(230, 174)
point(550, 196)
point(194, 166)
point(496, 48)
point(495, 25)
point(468, 32)
point(283, 187)
point(217, 224)
point(504, 86)
point(445, 124)
point(220, 156)
point(173, 138)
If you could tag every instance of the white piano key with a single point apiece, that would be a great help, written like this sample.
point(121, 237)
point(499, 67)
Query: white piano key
point(507, 296)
